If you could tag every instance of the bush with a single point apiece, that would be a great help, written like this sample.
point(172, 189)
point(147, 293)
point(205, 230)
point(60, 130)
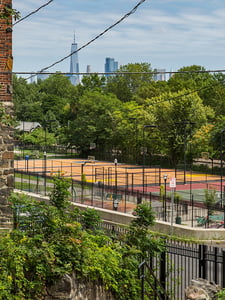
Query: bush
point(51, 244)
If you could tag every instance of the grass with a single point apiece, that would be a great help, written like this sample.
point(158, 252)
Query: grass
point(26, 186)
point(32, 177)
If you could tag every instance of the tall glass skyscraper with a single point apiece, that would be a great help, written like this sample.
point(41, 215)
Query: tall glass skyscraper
point(74, 64)
point(110, 65)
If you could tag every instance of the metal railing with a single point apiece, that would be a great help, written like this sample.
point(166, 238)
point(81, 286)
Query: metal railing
point(175, 267)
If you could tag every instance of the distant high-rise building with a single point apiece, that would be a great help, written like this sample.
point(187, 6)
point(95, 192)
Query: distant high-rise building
point(171, 73)
point(160, 76)
point(33, 78)
point(110, 65)
point(88, 69)
point(42, 76)
point(74, 64)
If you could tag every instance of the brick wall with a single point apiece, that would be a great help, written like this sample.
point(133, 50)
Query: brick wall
point(6, 132)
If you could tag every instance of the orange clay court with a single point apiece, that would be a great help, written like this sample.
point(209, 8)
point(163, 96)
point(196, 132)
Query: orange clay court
point(124, 175)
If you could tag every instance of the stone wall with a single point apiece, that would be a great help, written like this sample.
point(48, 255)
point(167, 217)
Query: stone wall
point(71, 288)
point(6, 132)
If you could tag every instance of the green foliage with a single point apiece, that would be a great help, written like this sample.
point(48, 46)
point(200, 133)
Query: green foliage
point(60, 195)
point(177, 198)
point(112, 111)
point(94, 122)
point(83, 178)
point(145, 216)
point(47, 244)
point(221, 294)
point(7, 13)
point(38, 137)
point(5, 118)
point(90, 218)
point(210, 199)
point(124, 86)
point(161, 192)
point(139, 234)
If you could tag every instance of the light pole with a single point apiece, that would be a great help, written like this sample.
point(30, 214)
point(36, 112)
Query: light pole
point(45, 155)
point(221, 174)
point(45, 172)
point(136, 134)
point(82, 181)
point(185, 123)
point(144, 151)
point(45, 122)
point(115, 163)
point(165, 176)
point(115, 204)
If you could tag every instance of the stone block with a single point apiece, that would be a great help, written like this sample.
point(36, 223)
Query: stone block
point(201, 289)
point(8, 155)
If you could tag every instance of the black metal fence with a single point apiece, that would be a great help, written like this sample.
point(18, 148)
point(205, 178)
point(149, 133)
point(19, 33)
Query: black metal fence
point(178, 265)
point(126, 198)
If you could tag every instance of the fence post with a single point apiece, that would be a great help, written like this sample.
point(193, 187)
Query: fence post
point(132, 183)
point(202, 261)
point(215, 267)
point(141, 268)
point(29, 188)
point(223, 270)
point(163, 274)
point(159, 175)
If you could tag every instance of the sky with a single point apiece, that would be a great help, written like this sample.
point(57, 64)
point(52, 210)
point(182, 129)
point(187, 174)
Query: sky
point(168, 34)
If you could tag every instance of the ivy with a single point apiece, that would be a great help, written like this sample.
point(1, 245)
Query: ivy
point(7, 13)
point(5, 118)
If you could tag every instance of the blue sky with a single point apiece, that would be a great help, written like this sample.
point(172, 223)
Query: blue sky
point(167, 34)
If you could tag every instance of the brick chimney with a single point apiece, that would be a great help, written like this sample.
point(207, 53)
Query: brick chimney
point(6, 132)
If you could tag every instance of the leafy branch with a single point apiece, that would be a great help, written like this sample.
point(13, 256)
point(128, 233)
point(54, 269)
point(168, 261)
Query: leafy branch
point(7, 13)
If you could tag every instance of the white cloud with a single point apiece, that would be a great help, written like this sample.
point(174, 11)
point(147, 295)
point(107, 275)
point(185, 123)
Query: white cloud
point(182, 33)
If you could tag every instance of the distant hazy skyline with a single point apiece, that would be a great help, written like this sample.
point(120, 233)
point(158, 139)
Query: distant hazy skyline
point(167, 34)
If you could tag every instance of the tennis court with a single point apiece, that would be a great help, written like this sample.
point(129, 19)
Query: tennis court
point(130, 177)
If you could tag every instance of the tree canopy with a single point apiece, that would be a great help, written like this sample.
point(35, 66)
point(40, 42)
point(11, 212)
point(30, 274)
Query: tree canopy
point(112, 111)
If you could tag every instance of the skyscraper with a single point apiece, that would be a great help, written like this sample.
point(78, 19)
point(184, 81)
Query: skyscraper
point(110, 65)
point(88, 69)
point(74, 64)
point(161, 76)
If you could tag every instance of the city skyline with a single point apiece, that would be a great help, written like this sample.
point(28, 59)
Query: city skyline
point(167, 34)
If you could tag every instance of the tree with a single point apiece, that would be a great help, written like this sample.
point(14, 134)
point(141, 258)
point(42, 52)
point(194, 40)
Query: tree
point(92, 82)
point(201, 141)
point(217, 136)
point(60, 194)
point(26, 100)
point(194, 78)
point(125, 85)
point(149, 90)
point(55, 95)
point(139, 236)
point(210, 200)
point(216, 94)
point(39, 137)
point(128, 127)
point(171, 111)
point(93, 123)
